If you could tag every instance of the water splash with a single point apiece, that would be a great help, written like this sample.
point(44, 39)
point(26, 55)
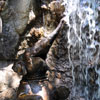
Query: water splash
point(82, 17)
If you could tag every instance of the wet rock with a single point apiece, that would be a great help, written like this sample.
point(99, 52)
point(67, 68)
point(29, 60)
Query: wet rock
point(15, 19)
point(58, 52)
point(34, 81)
point(36, 65)
point(61, 93)
point(57, 60)
point(33, 68)
point(41, 91)
point(19, 68)
point(33, 91)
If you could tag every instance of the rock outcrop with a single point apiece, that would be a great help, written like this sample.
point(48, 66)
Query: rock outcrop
point(21, 36)
point(15, 17)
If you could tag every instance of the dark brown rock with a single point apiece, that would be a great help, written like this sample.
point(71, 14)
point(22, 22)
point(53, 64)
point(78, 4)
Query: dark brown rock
point(33, 68)
point(33, 91)
point(44, 90)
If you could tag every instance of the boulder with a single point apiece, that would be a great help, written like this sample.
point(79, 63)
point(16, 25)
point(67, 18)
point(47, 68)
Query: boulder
point(9, 81)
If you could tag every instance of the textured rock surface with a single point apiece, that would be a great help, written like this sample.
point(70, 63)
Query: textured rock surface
point(58, 62)
point(15, 19)
point(9, 81)
point(21, 9)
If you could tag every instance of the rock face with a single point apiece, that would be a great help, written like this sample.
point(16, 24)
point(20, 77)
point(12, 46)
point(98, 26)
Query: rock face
point(15, 19)
point(14, 15)
point(21, 9)
point(73, 60)
point(58, 61)
point(44, 27)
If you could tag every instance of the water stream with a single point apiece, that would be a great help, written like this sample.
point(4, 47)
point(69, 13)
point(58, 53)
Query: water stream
point(82, 17)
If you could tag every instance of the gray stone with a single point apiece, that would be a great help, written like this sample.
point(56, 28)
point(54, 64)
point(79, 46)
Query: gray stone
point(22, 9)
point(15, 18)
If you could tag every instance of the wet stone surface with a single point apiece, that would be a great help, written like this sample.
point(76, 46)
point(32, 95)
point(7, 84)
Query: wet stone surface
point(39, 81)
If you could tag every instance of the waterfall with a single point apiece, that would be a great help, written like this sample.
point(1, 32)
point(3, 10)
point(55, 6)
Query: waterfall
point(82, 17)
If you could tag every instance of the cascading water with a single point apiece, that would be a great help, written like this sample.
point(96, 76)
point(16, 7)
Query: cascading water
point(82, 17)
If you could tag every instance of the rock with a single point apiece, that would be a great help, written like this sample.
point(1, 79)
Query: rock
point(9, 37)
point(36, 65)
point(7, 45)
point(43, 90)
point(44, 7)
point(33, 91)
point(58, 61)
point(36, 7)
point(58, 52)
point(56, 7)
point(2, 4)
point(22, 9)
point(52, 11)
point(31, 16)
point(15, 19)
point(9, 81)
point(61, 93)
point(33, 68)
point(37, 32)
point(20, 68)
